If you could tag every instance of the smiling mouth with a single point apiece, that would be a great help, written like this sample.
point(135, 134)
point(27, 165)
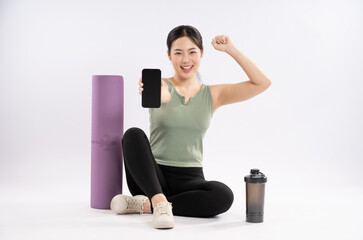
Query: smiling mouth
point(187, 68)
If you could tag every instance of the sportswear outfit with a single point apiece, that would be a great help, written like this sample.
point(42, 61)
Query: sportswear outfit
point(171, 162)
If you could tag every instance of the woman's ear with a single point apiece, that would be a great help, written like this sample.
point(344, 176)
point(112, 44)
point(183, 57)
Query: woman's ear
point(167, 52)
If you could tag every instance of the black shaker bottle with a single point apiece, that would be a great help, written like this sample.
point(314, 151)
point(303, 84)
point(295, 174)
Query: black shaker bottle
point(255, 195)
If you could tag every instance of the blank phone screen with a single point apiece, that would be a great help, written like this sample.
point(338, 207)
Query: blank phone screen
point(151, 78)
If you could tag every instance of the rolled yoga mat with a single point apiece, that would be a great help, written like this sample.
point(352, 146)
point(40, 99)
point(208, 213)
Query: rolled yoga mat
point(107, 132)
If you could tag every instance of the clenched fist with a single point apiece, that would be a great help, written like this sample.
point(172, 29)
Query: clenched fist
point(222, 43)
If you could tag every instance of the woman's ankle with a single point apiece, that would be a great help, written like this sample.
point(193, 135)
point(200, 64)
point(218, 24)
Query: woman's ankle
point(157, 198)
point(146, 206)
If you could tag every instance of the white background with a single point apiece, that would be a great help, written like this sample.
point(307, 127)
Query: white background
point(304, 132)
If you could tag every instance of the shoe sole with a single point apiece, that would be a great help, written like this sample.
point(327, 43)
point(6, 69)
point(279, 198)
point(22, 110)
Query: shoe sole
point(120, 209)
point(114, 207)
point(162, 225)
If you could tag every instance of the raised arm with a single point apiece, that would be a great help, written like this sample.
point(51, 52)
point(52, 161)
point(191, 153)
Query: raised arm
point(224, 94)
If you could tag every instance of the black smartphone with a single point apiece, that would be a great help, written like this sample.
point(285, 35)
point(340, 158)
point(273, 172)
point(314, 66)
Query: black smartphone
point(151, 95)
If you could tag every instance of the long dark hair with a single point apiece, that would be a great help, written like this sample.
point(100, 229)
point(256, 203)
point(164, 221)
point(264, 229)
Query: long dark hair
point(188, 31)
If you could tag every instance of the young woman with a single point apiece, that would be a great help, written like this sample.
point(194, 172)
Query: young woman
point(165, 175)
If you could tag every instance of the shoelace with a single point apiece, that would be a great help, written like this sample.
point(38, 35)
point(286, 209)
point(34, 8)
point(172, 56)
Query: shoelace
point(134, 205)
point(164, 208)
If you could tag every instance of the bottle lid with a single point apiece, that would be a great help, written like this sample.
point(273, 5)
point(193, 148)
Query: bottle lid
point(255, 177)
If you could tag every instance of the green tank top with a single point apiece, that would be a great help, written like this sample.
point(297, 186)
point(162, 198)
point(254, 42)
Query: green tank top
point(177, 128)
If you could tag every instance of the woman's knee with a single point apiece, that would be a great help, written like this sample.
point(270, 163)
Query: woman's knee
point(132, 134)
point(222, 195)
point(132, 142)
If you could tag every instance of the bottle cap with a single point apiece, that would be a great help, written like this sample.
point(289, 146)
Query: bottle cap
point(255, 177)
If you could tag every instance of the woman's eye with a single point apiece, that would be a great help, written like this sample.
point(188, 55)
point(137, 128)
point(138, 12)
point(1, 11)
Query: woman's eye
point(179, 53)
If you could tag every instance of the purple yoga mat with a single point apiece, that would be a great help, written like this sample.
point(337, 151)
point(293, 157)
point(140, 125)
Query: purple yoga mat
point(107, 132)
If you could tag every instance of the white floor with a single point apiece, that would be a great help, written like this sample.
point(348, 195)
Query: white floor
point(302, 214)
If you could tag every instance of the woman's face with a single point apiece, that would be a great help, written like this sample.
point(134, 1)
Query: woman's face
point(184, 53)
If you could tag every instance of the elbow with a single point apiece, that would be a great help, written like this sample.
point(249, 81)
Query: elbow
point(267, 83)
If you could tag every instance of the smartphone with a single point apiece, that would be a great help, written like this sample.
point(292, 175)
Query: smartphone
point(151, 95)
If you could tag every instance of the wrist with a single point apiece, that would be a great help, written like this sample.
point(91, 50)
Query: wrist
point(231, 50)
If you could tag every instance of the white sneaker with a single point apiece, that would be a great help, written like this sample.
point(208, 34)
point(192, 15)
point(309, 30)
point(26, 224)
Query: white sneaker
point(122, 204)
point(163, 215)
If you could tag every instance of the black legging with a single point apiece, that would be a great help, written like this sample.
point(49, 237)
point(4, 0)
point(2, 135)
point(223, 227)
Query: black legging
point(185, 187)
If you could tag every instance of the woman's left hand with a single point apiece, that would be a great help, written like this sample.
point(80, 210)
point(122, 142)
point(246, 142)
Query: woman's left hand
point(222, 43)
